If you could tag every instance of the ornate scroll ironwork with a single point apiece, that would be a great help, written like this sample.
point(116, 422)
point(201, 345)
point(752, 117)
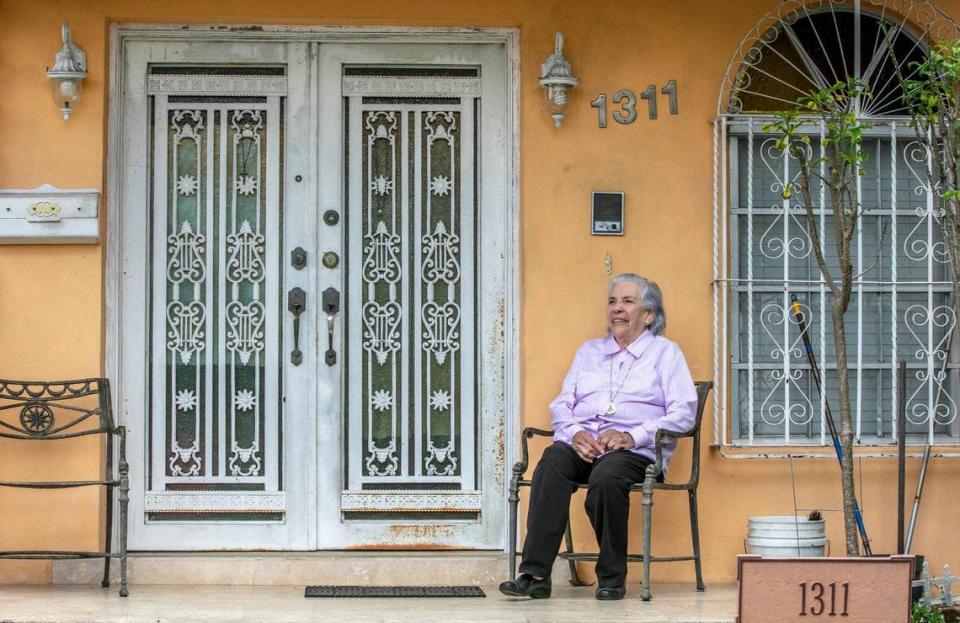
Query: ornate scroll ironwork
point(411, 265)
point(31, 410)
point(780, 58)
point(777, 407)
point(216, 222)
point(802, 46)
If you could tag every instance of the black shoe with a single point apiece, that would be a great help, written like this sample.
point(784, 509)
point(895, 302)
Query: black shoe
point(611, 593)
point(525, 585)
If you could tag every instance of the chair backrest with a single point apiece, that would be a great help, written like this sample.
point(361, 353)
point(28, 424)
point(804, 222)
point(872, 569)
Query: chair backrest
point(703, 390)
point(56, 409)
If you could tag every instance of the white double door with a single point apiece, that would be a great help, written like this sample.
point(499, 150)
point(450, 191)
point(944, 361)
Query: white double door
point(311, 248)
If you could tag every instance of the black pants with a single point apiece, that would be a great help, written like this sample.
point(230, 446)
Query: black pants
point(555, 479)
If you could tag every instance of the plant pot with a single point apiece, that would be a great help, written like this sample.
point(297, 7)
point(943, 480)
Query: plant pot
point(786, 536)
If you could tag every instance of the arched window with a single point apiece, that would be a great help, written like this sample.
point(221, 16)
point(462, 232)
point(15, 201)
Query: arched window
point(902, 299)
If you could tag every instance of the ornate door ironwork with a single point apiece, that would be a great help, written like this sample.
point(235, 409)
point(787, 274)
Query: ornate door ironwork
point(215, 408)
point(411, 380)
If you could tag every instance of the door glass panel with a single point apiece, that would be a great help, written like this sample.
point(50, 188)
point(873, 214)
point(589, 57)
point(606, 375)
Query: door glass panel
point(186, 296)
point(410, 394)
point(436, 319)
point(216, 319)
point(382, 276)
point(439, 285)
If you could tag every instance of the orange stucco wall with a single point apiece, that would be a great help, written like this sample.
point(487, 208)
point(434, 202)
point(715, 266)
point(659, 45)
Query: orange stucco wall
point(51, 318)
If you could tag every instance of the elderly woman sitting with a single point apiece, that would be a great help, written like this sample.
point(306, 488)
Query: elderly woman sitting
point(619, 391)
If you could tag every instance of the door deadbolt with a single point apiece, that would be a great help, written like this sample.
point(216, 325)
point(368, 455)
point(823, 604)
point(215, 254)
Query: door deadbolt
point(298, 258)
point(330, 259)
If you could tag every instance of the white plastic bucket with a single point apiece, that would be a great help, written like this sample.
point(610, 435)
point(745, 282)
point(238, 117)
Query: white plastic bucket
point(786, 536)
point(787, 547)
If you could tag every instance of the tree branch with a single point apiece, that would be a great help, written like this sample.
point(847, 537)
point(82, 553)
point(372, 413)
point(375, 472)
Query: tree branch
point(812, 226)
point(876, 260)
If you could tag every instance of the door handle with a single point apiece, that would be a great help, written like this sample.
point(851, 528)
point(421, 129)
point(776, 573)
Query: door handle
point(296, 304)
point(331, 305)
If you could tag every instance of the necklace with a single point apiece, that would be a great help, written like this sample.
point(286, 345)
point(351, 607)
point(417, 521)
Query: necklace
point(612, 405)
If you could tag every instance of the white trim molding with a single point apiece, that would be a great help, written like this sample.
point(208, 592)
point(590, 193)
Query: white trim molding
point(410, 501)
point(426, 86)
point(215, 502)
point(216, 85)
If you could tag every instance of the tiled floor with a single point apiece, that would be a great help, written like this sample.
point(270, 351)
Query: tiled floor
point(181, 604)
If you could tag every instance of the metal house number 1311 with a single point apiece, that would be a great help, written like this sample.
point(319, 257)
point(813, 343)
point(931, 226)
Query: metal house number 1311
point(627, 100)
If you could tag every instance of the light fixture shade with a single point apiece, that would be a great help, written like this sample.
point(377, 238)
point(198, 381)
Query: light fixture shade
point(66, 76)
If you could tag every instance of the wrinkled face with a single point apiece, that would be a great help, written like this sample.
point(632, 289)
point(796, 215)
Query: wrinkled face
point(627, 318)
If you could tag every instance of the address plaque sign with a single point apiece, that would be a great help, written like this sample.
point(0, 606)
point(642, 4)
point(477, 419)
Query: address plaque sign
point(851, 590)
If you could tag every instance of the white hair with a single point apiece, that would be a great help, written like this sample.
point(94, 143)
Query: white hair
point(652, 298)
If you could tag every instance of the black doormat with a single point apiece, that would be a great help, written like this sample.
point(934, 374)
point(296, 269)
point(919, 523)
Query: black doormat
point(394, 591)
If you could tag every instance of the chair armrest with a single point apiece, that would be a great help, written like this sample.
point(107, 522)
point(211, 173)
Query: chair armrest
point(656, 468)
point(532, 432)
point(663, 432)
point(520, 467)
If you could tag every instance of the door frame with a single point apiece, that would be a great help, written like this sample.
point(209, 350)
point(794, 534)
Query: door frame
point(120, 34)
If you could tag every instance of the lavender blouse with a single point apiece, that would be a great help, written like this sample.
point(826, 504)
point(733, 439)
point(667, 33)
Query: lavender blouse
point(648, 384)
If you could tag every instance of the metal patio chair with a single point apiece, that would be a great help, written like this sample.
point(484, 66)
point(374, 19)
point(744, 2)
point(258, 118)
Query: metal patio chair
point(654, 481)
point(43, 411)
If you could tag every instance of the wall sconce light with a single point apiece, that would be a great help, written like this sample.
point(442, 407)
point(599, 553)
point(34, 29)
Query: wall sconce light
point(69, 70)
point(556, 77)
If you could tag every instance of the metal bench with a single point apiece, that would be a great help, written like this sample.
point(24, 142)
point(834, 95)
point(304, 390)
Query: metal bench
point(44, 411)
point(654, 481)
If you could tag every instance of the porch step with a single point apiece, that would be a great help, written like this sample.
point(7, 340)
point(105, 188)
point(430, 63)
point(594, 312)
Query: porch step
point(287, 568)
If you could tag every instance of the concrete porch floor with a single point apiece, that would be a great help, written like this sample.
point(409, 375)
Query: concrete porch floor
point(676, 603)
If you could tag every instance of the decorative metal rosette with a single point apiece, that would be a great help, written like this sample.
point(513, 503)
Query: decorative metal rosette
point(36, 418)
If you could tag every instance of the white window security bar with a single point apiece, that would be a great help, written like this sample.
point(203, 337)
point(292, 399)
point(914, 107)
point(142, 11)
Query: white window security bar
point(902, 305)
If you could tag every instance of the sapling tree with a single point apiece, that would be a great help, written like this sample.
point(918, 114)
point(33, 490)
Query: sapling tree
point(839, 163)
